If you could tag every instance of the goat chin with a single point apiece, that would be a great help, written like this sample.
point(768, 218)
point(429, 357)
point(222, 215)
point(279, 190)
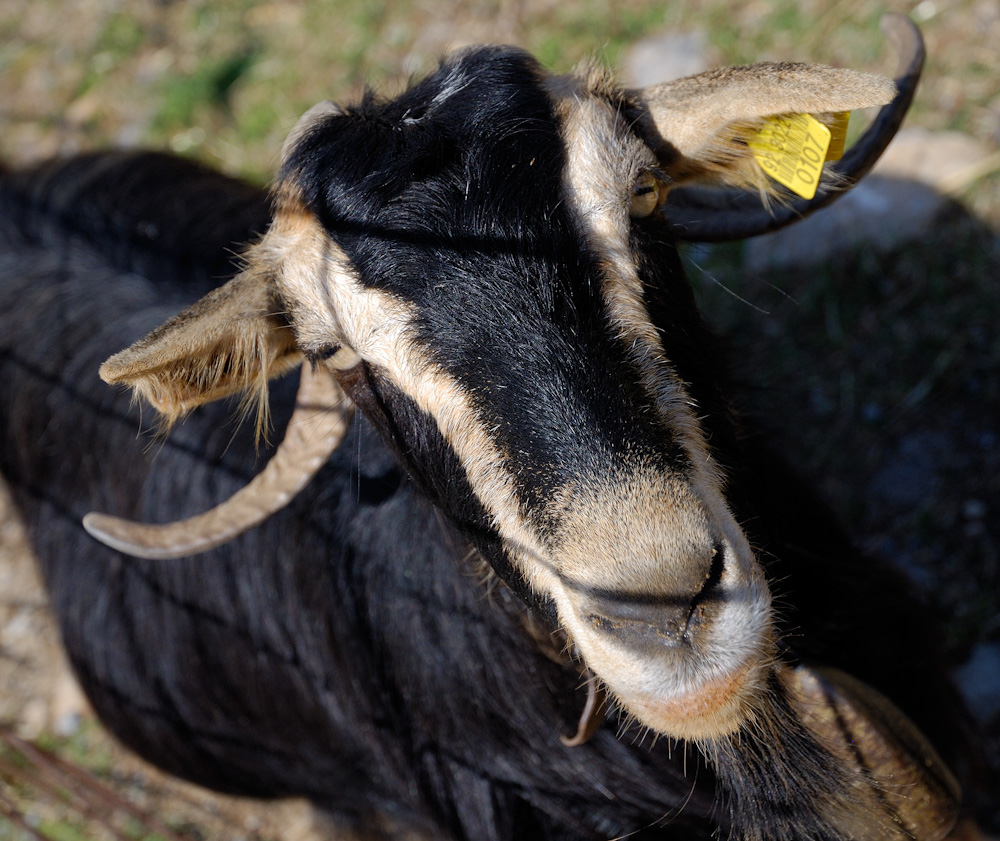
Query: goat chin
point(678, 694)
point(716, 708)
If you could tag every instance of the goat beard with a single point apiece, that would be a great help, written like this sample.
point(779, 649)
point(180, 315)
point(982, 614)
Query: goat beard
point(776, 780)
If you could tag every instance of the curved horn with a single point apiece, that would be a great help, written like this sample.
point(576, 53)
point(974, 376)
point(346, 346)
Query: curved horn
point(315, 430)
point(701, 215)
point(909, 783)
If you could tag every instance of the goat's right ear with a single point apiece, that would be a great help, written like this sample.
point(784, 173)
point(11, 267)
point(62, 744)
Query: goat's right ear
point(231, 341)
point(698, 126)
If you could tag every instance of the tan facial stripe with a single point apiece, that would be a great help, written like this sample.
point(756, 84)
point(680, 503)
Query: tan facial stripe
point(603, 159)
point(329, 304)
point(597, 184)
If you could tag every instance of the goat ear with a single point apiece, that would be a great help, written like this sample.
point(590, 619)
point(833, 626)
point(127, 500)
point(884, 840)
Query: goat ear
point(232, 340)
point(311, 119)
point(699, 125)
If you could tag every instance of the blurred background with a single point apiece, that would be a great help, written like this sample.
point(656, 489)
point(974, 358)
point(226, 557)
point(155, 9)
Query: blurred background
point(868, 338)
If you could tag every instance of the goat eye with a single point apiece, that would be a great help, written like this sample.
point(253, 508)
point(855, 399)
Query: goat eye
point(340, 357)
point(645, 196)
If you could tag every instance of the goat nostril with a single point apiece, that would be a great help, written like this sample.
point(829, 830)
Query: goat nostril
point(708, 590)
point(714, 575)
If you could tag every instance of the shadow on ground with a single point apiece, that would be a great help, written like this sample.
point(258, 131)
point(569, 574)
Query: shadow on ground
point(878, 372)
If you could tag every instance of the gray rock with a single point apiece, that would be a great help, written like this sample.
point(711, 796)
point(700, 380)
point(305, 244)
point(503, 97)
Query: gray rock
point(660, 58)
point(879, 213)
point(911, 475)
point(936, 158)
point(979, 681)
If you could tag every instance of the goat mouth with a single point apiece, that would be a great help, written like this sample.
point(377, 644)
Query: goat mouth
point(677, 675)
point(680, 629)
point(649, 623)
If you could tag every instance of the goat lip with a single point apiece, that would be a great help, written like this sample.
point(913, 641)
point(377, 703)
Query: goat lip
point(647, 625)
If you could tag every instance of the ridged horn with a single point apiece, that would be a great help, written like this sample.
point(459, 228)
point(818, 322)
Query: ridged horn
point(704, 215)
point(317, 427)
point(907, 782)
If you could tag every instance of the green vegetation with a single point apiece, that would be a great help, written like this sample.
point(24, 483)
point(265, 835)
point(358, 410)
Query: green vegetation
point(208, 87)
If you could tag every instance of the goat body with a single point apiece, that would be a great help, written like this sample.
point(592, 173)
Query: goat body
point(527, 359)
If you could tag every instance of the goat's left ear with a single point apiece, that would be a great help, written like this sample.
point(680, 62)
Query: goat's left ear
point(231, 341)
point(698, 126)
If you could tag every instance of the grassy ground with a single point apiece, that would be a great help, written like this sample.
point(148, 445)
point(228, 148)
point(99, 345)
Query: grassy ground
point(225, 80)
point(880, 373)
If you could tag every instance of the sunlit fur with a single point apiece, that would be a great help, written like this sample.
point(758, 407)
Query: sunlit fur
point(234, 357)
point(706, 134)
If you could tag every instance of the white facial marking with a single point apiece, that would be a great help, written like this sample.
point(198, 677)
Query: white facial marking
point(330, 306)
point(603, 162)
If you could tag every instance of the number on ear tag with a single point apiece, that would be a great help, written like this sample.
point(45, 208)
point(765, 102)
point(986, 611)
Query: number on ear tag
point(792, 150)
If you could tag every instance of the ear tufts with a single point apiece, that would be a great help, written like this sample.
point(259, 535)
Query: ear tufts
point(230, 342)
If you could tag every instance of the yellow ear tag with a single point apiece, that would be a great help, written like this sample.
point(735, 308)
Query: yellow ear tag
point(792, 150)
point(838, 135)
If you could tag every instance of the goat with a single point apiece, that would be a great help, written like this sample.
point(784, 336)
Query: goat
point(485, 266)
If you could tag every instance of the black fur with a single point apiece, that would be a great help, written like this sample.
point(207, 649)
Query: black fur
point(358, 603)
point(347, 650)
point(458, 209)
